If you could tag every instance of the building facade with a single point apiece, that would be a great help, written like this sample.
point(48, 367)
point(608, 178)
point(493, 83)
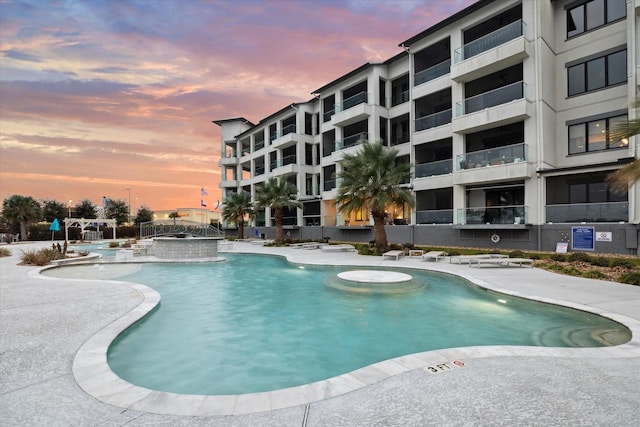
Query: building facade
point(505, 111)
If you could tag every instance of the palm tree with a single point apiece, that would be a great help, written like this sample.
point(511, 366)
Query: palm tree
point(235, 208)
point(629, 174)
point(278, 194)
point(22, 210)
point(370, 179)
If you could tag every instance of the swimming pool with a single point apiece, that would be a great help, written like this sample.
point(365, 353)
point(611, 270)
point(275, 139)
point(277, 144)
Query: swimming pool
point(258, 323)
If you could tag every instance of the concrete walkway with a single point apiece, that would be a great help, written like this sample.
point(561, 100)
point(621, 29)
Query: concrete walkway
point(44, 322)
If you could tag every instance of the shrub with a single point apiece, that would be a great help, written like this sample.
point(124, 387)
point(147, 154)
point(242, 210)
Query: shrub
point(621, 262)
point(40, 257)
point(408, 245)
point(600, 261)
point(516, 254)
point(558, 257)
point(126, 244)
point(631, 278)
point(454, 253)
point(579, 256)
point(593, 274)
point(365, 251)
point(114, 244)
point(571, 271)
point(5, 252)
point(534, 256)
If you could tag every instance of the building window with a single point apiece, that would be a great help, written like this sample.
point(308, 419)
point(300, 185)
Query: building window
point(608, 70)
point(595, 135)
point(594, 14)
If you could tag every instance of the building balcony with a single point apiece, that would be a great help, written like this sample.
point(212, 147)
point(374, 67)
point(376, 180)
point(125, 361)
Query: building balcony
point(285, 166)
point(285, 140)
point(497, 107)
point(352, 110)
point(229, 184)
point(493, 165)
point(433, 120)
point(439, 216)
point(228, 161)
point(432, 72)
point(588, 212)
point(500, 215)
point(500, 49)
point(351, 141)
point(441, 167)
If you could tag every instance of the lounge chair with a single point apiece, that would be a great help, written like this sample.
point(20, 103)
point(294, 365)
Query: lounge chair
point(459, 259)
point(338, 248)
point(434, 255)
point(501, 262)
point(393, 254)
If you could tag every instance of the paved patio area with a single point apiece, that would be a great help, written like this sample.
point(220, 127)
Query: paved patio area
point(44, 322)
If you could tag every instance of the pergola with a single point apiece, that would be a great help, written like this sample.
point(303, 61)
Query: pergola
point(84, 223)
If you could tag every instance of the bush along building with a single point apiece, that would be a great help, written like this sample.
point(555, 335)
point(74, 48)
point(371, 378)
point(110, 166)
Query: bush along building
point(505, 112)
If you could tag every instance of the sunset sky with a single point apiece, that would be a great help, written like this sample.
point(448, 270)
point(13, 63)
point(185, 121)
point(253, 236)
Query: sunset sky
point(97, 97)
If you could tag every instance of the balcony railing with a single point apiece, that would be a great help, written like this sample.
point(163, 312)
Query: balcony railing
point(492, 98)
point(516, 214)
point(433, 120)
point(326, 116)
point(329, 185)
point(258, 145)
point(352, 101)
point(400, 139)
point(259, 170)
point(283, 162)
point(352, 140)
point(588, 212)
point(500, 36)
point(432, 72)
point(441, 167)
point(493, 156)
point(399, 98)
point(441, 216)
point(285, 131)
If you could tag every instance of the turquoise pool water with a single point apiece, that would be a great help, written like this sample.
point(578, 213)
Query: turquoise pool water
point(257, 323)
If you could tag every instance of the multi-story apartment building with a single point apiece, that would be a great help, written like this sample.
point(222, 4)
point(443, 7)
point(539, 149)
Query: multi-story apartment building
point(504, 111)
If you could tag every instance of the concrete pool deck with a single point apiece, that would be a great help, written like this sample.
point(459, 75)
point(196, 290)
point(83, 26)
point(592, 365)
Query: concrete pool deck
point(44, 322)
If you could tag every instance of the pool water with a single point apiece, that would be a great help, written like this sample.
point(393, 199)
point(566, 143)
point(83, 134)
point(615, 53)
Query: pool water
point(258, 323)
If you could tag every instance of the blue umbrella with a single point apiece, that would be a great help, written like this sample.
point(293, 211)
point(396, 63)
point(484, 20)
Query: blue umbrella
point(55, 226)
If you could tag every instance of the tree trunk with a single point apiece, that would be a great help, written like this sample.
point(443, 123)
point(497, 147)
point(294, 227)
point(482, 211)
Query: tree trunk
point(240, 221)
point(23, 230)
point(279, 232)
point(379, 231)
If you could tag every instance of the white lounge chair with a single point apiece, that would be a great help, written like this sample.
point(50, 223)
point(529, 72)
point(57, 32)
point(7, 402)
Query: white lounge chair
point(338, 248)
point(459, 259)
point(434, 255)
point(393, 254)
point(501, 262)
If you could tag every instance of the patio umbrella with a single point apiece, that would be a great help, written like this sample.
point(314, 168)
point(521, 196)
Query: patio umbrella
point(55, 226)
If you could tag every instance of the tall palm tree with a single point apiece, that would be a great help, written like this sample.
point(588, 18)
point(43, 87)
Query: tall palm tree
point(622, 178)
point(278, 194)
point(235, 208)
point(370, 180)
point(22, 210)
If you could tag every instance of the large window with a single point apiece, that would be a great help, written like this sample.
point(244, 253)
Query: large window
point(594, 14)
point(595, 135)
point(597, 73)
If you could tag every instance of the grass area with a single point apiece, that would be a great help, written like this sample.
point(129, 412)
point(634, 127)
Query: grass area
point(4, 252)
point(40, 257)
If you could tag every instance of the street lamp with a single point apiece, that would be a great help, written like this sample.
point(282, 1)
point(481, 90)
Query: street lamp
point(129, 190)
point(69, 205)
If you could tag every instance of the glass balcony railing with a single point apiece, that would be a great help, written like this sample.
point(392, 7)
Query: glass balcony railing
point(432, 72)
point(493, 215)
point(329, 185)
point(433, 120)
point(441, 167)
point(400, 139)
point(326, 116)
point(492, 98)
point(258, 145)
point(493, 156)
point(588, 212)
point(285, 131)
point(259, 170)
point(352, 140)
point(352, 101)
point(500, 36)
point(399, 98)
point(440, 216)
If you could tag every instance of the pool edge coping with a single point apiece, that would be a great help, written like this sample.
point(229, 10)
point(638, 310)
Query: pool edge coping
point(93, 374)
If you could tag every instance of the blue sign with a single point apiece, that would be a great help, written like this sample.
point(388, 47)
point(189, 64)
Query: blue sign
point(582, 238)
